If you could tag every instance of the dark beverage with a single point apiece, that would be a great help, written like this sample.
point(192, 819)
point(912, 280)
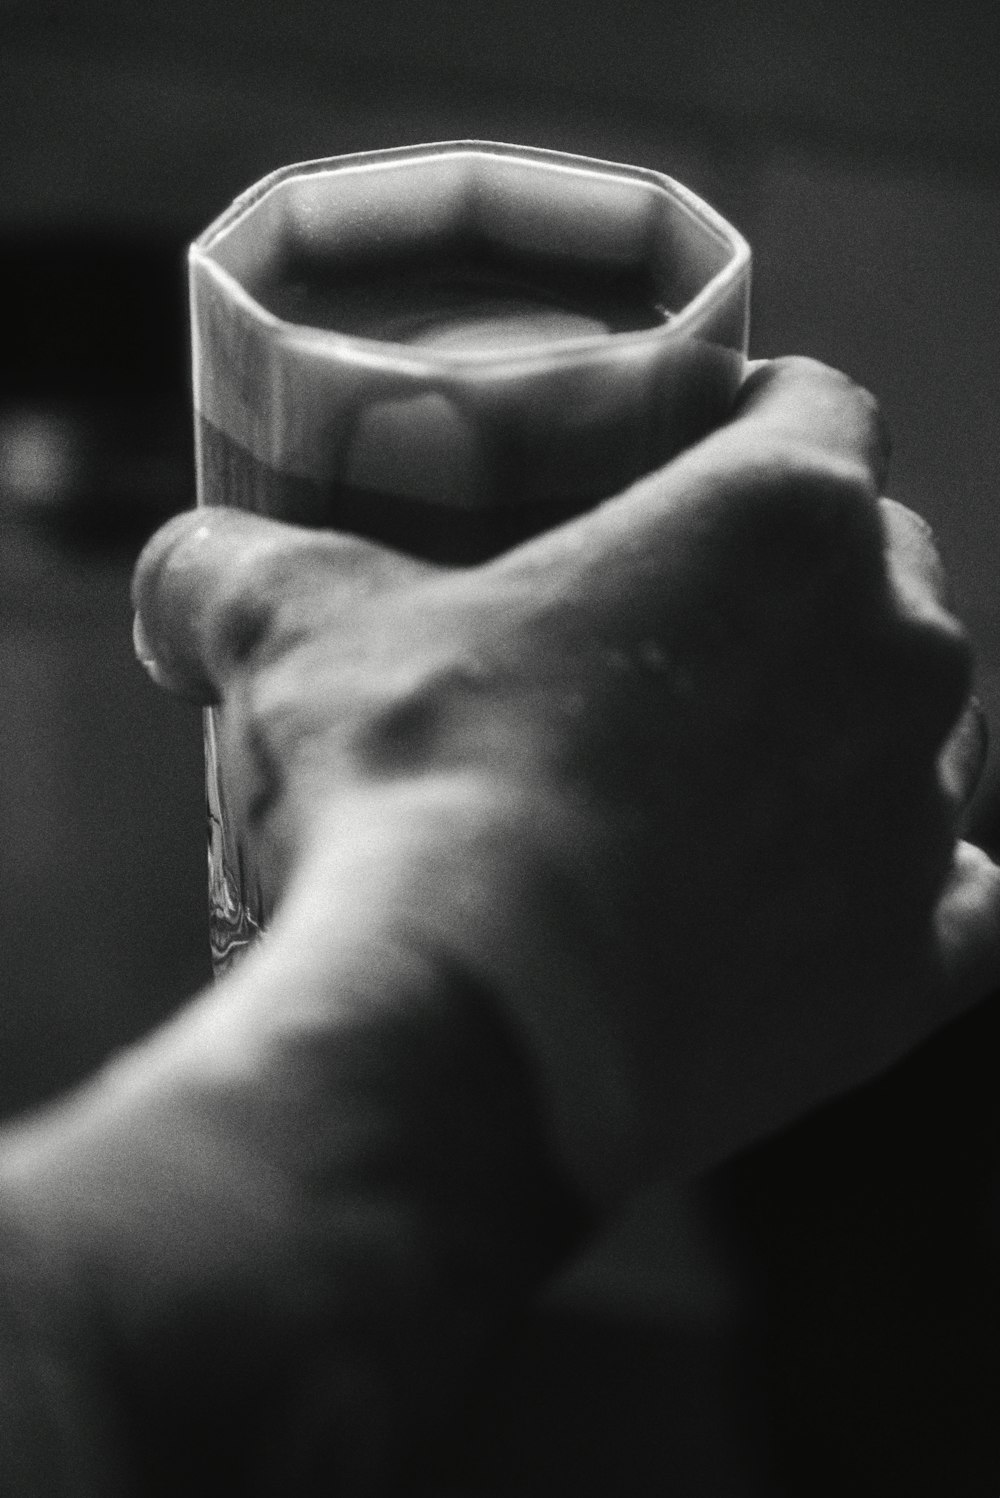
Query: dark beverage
point(430, 528)
point(468, 299)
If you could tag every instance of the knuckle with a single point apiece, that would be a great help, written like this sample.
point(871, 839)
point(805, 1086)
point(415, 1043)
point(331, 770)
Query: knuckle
point(813, 510)
point(806, 370)
point(277, 593)
point(839, 402)
point(914, 561)
point(801, 475)
point(864, 398)
point(933, 671)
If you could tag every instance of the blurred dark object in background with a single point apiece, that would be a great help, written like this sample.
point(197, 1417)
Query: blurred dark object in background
point(872, 1230)
point(95, 433)
point(91, 315)
point(833, 1295)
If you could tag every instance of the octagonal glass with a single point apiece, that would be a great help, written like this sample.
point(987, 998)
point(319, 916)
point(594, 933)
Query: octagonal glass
point(449, 348)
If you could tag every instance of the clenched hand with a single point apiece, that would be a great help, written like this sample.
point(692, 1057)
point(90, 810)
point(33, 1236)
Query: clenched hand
point(678, 783)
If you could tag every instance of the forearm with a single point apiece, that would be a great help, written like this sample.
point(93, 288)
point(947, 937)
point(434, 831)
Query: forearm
point(307, 1210)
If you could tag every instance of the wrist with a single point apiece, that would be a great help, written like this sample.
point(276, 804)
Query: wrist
point(493, 882)
point(327, 1176)
point(463, 1214)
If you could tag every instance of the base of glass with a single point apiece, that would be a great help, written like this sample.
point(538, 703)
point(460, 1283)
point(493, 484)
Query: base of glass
point(235, 901)
point(232, 929)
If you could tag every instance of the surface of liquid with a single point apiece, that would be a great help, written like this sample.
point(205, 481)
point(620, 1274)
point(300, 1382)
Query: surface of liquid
point(464, 300)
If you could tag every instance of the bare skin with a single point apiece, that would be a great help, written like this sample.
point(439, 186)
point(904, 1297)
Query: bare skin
point(709, 718)
point(596, 862)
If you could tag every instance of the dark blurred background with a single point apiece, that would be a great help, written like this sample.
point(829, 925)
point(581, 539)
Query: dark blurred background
point(821, 1317)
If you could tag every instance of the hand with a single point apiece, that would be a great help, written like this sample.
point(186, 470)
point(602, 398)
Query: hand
point(678, 783)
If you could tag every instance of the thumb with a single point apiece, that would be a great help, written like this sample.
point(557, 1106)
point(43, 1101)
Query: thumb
point(215, 587)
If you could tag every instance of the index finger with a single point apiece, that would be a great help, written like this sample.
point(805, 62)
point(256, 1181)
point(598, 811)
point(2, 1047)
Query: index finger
point(786, 486)
point(806, 401)
point(805, 447)
point(798, 407)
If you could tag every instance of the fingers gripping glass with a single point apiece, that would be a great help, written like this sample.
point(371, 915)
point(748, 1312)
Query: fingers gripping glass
point(448, 348)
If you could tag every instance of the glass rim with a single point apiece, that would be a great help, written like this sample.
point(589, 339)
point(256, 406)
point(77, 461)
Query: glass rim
point(386, 354)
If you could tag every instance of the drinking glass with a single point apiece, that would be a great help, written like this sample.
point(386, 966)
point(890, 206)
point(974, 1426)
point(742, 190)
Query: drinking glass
point(448, 348)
